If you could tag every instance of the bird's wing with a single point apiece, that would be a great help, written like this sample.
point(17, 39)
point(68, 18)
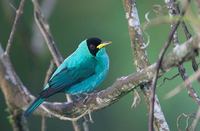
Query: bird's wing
point(66, 78)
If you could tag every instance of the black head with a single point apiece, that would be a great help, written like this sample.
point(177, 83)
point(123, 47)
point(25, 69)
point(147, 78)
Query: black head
point(92, 44)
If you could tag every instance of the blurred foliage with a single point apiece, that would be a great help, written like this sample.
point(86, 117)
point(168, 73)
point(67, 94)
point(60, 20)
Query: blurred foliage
point(73, 21)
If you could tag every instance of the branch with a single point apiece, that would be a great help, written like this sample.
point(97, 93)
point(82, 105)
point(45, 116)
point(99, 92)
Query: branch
point(49, 72)
point(158, 66)
point(16, 94)
point(19, 12)
point(37, 40)
point(173, 11)
point(86, 124)
point(76, 126)
point(187, 82)
point(141, 60)
point(44, 28)
point(48, 75)
point(16, 118)
point(195, 121)
point(57, 57)
point(135, 32)
point(43, 124)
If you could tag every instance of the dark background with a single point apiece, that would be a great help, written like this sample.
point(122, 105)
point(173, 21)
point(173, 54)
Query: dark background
point(71, 22)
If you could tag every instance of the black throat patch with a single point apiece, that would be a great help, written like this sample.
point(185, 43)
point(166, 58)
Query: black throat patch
point(92, 44)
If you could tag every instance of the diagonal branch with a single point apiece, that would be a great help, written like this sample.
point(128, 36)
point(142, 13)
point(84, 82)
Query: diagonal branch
point(158, 66)
point(57, 57)
point(42, 24)
point(173, 11)
point(37, 40)
point(44, 28)
point(19, 12)
point(16, 94)
point(173, 8)
point(141, 59)
point(18, 123)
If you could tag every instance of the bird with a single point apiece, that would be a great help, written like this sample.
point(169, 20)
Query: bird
point(81, 72)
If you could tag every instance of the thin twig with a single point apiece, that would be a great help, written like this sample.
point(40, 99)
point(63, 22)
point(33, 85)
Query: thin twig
point(76, 126)
point(188, 35)
point(45, 30)
point(173, 5)
point(43, 124)
point(168, 79)
point(195, 121)
point(75, 123)
point(158, 65)
point(19, 12)
point(86, 124)
point(192, 93)
point(173, 11)
point(37, 40)
point(188, 81)
point(154, 82)
point(136, 99)
point(188, 117)
point(49, 72)
point(48, 75)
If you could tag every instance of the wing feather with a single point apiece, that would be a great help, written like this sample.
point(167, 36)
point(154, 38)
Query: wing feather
point(66, 78)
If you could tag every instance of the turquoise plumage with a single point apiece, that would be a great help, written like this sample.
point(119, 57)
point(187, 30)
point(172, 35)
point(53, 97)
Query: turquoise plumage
point(81, 72)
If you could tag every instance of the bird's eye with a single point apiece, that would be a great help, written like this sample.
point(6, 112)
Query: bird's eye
point(92, 47)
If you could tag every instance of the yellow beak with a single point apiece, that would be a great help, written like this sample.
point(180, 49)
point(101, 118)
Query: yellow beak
point(104, 44)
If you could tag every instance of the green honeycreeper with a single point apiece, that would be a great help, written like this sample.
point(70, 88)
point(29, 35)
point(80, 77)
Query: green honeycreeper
point(81, 72)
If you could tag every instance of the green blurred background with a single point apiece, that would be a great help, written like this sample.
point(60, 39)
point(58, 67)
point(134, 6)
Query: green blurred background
point(72, 21)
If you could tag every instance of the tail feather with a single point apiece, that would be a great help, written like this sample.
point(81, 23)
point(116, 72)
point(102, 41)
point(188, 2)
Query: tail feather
point(33, 106)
